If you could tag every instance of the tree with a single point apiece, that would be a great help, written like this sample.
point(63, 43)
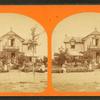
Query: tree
point(88, 56)
point(59, 58)
point(32, 43)
point(21, 60)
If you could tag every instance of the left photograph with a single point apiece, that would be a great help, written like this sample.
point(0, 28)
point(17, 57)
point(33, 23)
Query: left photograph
point(23, 54)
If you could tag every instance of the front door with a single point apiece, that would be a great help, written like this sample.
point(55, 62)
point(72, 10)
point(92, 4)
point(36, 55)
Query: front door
point(97, 57)
point(12, 54)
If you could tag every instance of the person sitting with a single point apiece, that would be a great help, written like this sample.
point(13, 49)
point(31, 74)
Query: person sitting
point(64, 66)
point(42, 68)
point(90, 66)
point(5, 69)
point(86, 64)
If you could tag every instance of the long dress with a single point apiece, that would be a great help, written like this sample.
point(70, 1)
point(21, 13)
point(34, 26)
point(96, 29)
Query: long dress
point(5, 68)
point(90, 67)
point(42, 67)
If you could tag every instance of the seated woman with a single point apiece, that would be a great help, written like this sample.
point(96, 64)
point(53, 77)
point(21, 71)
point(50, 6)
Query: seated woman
point(27, 67)
point(6, 67)
point(90, 67)
point(42, 67)
point(64, 66)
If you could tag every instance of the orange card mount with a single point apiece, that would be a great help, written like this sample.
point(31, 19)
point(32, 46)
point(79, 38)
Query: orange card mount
point(32, 36)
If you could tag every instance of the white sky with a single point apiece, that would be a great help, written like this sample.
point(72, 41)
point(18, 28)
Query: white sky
point(78, 25)
point(22, 26)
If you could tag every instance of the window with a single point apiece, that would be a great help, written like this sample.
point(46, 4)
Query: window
point(72, 44)
point(12, 42)
point(96, 42)
point(30, 59)
point(12, 54)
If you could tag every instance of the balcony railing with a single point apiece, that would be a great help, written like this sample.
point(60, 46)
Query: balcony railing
point(94, 47)
point(11, 48)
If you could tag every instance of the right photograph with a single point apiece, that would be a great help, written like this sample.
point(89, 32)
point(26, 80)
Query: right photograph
point(76, 53)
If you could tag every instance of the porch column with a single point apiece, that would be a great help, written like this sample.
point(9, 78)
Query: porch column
point(22, 47)
point(94, 56)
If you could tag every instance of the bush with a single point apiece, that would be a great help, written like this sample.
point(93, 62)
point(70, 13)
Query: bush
point(78, 69)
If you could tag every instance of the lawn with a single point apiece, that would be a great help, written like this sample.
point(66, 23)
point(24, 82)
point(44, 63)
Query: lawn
point(77, 81)
point(17, 81)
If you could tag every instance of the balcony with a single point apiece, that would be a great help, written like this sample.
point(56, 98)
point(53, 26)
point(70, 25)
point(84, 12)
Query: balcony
point(94, 48)
point(11, 48)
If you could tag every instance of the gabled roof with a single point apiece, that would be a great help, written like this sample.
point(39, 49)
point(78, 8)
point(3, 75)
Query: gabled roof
point(95, 32)
point(10, 34)
point(80, 40)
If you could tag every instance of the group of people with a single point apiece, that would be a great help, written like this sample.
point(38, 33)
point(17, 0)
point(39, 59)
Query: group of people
point(25, 65)
point(5, 65)
point(90, 65)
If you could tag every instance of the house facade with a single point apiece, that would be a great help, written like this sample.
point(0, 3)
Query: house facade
point(88, 44)
point(12, 46)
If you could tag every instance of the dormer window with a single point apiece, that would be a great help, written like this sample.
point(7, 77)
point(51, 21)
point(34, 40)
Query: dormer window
point(72, 44)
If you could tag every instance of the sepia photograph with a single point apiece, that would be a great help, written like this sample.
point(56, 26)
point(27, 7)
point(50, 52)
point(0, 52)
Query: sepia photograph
point(76, 53)
point(23, 54)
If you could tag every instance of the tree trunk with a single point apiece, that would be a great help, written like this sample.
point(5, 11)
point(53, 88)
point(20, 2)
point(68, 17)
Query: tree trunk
point(33, 64)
